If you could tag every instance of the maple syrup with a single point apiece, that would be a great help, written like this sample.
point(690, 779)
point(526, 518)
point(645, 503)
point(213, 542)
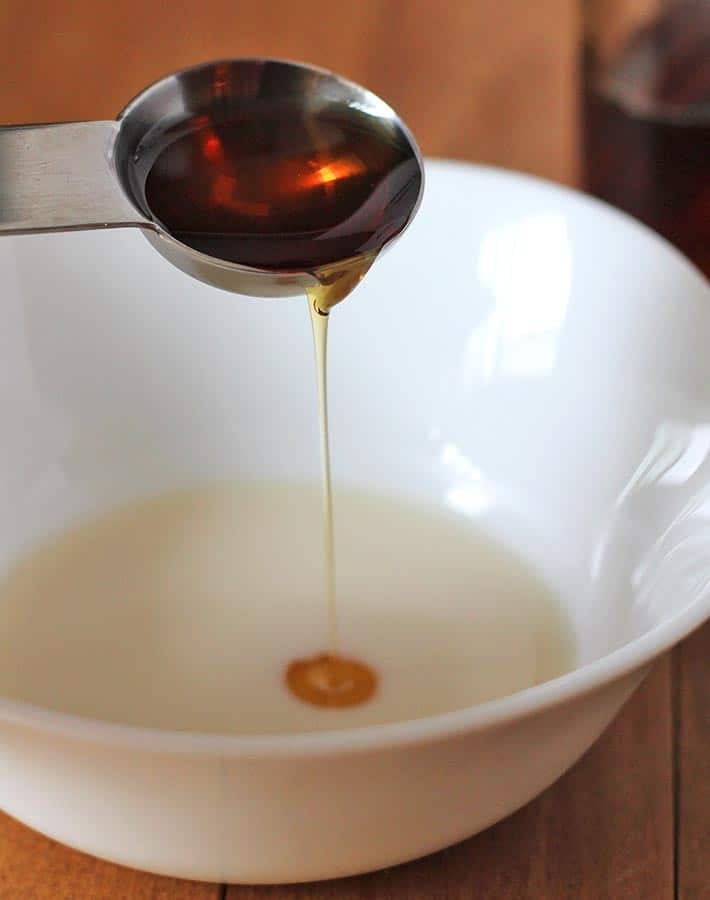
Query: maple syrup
point(319, 191)
point(331, 681)
point(283, 188)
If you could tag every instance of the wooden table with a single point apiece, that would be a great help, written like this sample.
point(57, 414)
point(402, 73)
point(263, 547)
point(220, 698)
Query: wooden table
point(494, 82)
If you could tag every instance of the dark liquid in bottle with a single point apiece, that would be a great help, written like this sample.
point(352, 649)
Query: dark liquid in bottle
point(647, 131)
point(283, 188)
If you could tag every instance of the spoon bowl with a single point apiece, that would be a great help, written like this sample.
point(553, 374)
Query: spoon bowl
point(90, 175)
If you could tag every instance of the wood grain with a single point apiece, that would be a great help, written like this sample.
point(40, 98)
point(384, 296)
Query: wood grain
point(605, 830)
point(692, 672)
point(34, 868)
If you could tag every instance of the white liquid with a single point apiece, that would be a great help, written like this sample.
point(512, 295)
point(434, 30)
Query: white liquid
point(183, 611)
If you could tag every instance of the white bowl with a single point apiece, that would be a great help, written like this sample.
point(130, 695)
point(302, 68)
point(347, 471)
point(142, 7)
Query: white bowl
point(542, 362)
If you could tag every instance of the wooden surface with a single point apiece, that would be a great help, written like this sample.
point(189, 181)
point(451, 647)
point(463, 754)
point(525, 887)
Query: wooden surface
point(473, 78)
point(692, 749)
point(492, 82)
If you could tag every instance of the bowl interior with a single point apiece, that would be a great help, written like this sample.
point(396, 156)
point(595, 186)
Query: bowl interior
point(526, 357)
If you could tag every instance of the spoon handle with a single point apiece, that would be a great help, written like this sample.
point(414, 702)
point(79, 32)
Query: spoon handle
point(60, 178)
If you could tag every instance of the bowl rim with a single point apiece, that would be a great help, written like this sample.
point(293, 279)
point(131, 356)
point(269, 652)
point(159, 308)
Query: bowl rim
point(632, 657)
